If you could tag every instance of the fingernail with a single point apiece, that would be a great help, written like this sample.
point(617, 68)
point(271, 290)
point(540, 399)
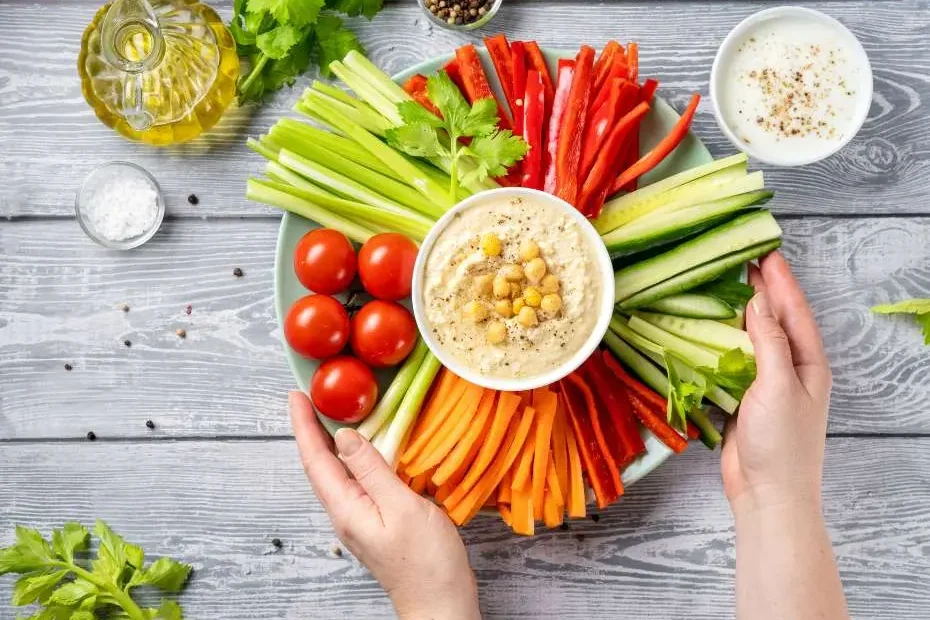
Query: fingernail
point(348, 441)
point(760, 305)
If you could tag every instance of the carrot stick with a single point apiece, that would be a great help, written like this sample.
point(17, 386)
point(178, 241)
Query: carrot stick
point(576, 495)
point(445, 439)
point(545, 402)
point(490, 502)
point(522, 509)
point(506, 407)
point(506, 515)
point(446, 392)
point(552, 484)
point(553, 514)
point(465, 510)
point(418, 483)
point(503, 489)
point(469, 397)
point(560, 451)
point(443, 491)
point(524, 466)
point(404, 478)
point(644, 393)
point(455, 465)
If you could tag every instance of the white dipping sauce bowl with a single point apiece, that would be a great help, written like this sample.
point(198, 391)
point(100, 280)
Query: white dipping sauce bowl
point(602, 267)
point(785, 155)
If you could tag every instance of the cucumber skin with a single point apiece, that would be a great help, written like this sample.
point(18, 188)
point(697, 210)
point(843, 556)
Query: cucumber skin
point(682, 305)
point(697, 276)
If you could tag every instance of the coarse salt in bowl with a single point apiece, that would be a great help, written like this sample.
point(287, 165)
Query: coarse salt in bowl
point(119, 205)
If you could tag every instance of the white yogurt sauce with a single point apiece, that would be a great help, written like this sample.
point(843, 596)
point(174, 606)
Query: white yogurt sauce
point(792, 86)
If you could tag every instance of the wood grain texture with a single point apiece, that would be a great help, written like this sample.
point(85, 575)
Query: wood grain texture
point(51, 139)
point(664, 551)
point(60, 297)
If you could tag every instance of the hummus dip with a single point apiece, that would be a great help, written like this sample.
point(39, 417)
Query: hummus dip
point(511, 288)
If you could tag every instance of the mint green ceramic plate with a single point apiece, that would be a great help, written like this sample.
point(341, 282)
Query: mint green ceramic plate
point(655, 126)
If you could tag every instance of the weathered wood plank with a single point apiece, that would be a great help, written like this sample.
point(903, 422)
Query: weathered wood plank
point(60, 296)
point(51, 138)
point(665, 551)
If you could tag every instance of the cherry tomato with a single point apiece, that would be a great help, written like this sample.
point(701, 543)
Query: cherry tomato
point(344, 389)
point(383, 333)
point(325, 261)
point(317, 326)
point(385, 265)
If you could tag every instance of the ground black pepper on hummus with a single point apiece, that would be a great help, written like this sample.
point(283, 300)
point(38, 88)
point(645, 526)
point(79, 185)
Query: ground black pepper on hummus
point(511, 288)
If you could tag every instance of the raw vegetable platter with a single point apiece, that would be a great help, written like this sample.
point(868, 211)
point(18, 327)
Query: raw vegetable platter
point(381, 163)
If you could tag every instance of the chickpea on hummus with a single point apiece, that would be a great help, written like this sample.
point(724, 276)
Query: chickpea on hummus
point(511, 288)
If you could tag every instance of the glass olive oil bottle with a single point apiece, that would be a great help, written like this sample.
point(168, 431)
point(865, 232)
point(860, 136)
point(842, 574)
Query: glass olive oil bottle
point(158, 71)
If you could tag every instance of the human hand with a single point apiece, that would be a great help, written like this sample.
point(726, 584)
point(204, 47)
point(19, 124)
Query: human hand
point(409, 545)
point(773, 451)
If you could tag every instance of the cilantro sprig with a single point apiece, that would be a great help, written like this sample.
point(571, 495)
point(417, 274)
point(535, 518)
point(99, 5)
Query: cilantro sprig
point(920, 308)
point(281, 38)
point(56, 576)
point(490, 151)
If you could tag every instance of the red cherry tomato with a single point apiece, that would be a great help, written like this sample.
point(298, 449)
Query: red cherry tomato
point(344, 389)
point(317, 326)
point(385, 265)
point(325, 261)
point(383, 333)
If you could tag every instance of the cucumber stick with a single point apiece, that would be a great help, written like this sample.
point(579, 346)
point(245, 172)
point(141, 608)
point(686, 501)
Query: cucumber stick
point(697, 276)
point(694, 354)
point(732, 237)
point(709, 189)
point(628, 207)
point(695, 306)
point(663, 227)
point(701, 331)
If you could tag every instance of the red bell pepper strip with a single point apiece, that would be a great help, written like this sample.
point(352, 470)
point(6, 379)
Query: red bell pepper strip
point(594, 417)
point(651, 159)
point(618, 408)
point(599, 125)
point(604, 63)
point(534, 109)
point(568, 155)
point(648, 90)
point(647, 395)
point(499, 51)
point(627, 89)
point(559, 103)
point(455, 74)
point(693, 431)
point(518, 60)
point(597, 183)
point(476, 82)
point(595, 463)
point(416, 88)
point(536, 60)
point(632, 57)
point(658, 425)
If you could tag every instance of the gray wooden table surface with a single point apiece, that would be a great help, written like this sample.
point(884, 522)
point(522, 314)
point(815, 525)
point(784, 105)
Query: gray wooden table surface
point(218, 477)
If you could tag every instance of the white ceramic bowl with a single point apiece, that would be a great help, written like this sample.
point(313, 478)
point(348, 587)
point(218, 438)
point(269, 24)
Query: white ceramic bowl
point(783, 156)
point(602, 267)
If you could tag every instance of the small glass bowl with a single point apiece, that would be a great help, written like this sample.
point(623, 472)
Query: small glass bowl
point(493, 7)
point(102, 174)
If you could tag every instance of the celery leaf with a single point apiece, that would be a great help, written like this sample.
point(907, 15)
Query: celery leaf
point(920, 308)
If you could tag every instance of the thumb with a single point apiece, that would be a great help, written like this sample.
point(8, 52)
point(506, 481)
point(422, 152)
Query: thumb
point(368, 467)
point(773, 351)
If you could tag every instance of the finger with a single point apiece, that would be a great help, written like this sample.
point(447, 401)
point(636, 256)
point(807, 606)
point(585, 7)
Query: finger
point(773, 352)
point(326, 473)
point(370, 469)
point(796, 318)
point(755, 278)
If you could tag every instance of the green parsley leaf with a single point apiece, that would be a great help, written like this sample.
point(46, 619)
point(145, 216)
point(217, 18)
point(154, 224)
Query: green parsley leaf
point(69, 539)
point(73, 592)
point(165, 574)
point(417, 139)
point(495, 153)
point(333, 42)
point(443, 92)
point(920, 308)
point(299, 13)
point(36, 587)
point(412, 112)
point(482, 119)
point(277, 42)
point(354, 8)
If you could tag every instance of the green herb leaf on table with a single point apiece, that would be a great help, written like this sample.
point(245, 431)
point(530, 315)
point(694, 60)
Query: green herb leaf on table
point(920, 308)
point(71, 588)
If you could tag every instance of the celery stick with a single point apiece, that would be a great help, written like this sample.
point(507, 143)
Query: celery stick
point(372, 121)
point(378, 183)
point(268, 193)
point(371, 95)
point(409, 408)
point(262, 149)
point(365, 69)
point(710, 436)
point(314, 137)
point(386, 407)
point(423, 183)
point(376, 219)
point(337, 93)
